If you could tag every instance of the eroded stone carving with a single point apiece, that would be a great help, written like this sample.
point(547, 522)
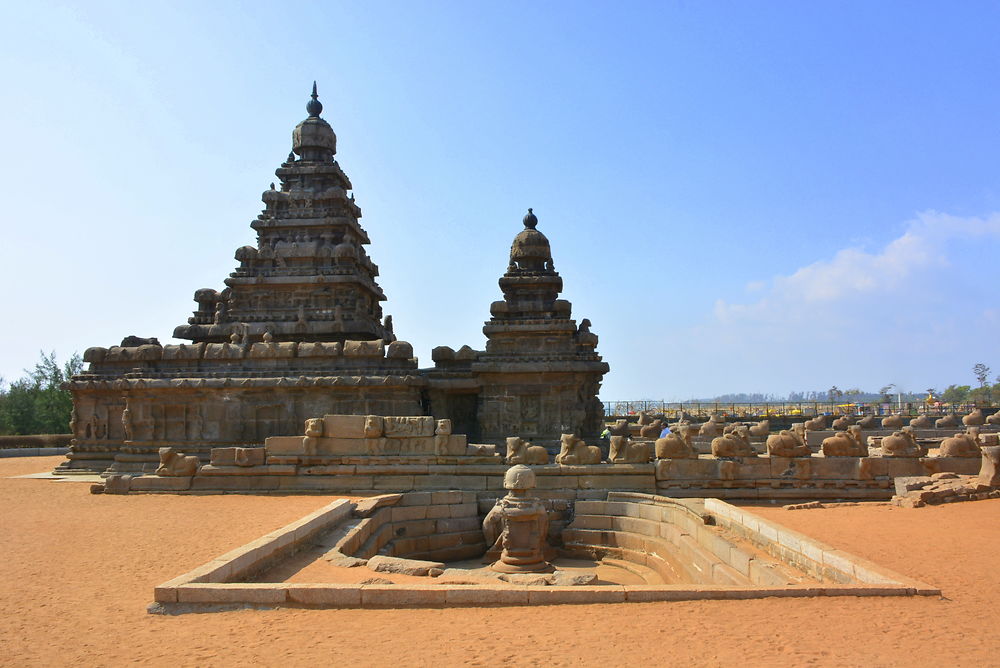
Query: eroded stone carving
point(519, 525)
point(313, 432)
point(676, 444)
point(651, 429)
point(520, 452)
point(818, 423)
point(733, 444)
point(901, 443)
point(574, 452)
point(174, 463)
point(974, 419)
point(961, 445)
point(787, 443)
point(922, 422)
point(893, 422)
point(947, 422)
point(625, 451)
point(849, 443)
point(989, 472)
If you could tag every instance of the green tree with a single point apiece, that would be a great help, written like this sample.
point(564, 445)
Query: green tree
point(36, 403)
point(956, 394)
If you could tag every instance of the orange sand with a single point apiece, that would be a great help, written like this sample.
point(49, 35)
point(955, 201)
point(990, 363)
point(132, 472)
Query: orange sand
point(78, 572)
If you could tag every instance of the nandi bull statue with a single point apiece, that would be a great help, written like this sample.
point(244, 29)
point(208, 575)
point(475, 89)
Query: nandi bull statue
point(521, 452)
point(962, 445)
point(733, 444)
point(625, 451)
point(676, 444)
point(902, 443)
point(848, 443)
point(175, 463)
point(574, 452)
point(788, 443)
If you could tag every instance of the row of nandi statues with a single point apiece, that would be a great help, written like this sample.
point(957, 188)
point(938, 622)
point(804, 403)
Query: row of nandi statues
point(716, 425)
point(677, 443)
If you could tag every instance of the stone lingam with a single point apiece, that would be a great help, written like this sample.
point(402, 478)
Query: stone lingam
point(518, 526)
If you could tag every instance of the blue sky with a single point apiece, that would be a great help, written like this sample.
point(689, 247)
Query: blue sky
point(757, 197)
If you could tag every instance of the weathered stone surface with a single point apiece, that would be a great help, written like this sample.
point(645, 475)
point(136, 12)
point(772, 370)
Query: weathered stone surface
point(408, 427)
point(384, 564)
point(238, 456)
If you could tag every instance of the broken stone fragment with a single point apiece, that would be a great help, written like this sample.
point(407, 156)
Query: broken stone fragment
point(384, 564)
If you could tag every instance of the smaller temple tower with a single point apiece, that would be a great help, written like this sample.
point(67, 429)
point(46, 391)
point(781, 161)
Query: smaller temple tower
point(540, 373)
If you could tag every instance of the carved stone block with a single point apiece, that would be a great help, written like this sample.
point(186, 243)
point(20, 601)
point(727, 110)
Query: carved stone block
point(364, 348)
point(402, 427)
point(989, 473)
point(238, 456)
point(345, 426)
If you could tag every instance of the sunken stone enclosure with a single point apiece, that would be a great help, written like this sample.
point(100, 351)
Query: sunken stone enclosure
point(299, 332)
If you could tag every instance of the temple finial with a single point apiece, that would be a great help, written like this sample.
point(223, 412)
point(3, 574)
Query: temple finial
point(314, 107)
point(530, 220)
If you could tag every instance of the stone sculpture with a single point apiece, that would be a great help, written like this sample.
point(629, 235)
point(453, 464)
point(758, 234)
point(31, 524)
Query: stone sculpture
point(625, 451)
point(676, 444)
point(893, 422)
point(174, 463)
point(644, 419)
point(574, 452)
point(787, 443)
point(734, 444)
point(989, 472)
point(870, 422)
point(994, 419)
point(947, 422)
point(818, 423)
point(961, 445)
point(619, 428)
point(520, 452)
point(922, 422)
point(313, 432)
point(713, 427)
point(652, 429)
point(761, 429)
point(518, 525)
point(848, 443)
point(901, 443)
point(843, 422)
point(974, 419)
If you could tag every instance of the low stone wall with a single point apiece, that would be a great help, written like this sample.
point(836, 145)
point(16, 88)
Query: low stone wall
point(32, 452)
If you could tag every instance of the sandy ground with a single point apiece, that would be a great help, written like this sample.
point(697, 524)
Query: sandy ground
point(78, 571)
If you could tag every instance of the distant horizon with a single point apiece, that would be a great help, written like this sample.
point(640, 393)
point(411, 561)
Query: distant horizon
point(736, 196)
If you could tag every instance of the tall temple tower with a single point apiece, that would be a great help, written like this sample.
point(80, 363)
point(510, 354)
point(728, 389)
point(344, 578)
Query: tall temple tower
point(540, 373)
point(309, 277)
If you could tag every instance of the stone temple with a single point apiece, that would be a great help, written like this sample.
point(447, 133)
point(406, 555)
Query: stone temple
point(299, 332)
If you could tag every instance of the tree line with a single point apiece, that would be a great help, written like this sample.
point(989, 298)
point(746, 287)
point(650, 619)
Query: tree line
point(37, 403)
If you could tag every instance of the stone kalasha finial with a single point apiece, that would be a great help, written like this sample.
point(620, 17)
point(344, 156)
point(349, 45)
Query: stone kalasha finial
point(530, 219)
point(519, 477)
point(314, 107)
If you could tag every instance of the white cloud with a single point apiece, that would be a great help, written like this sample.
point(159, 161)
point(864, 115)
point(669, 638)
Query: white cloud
point(919, 309)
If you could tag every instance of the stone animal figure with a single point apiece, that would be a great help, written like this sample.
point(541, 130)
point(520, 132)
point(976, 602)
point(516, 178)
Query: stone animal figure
point(573, 451)
point(761, 429)
point(624, 451)
point(893, 422)
point(132, 340)
point(787, 443)
point(713, 427)
point(619, 428)
point(947, 422)
point(519, 452)
point(870, 422)
point(848, 443)
point(901, 444)
point(734, 444)
point(818, 423)
point(644, 418)
point(175, 463)
point(994, 419)
point(676, 444)
point(314, 432)
point(651, 430)
point(922, 422)
point(843, 422)
point(974, 419)
point(961, 445)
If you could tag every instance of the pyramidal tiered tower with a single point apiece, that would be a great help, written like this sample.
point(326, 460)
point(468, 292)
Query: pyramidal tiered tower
point(309, 277)
point(540, 373)
point(298, 332)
